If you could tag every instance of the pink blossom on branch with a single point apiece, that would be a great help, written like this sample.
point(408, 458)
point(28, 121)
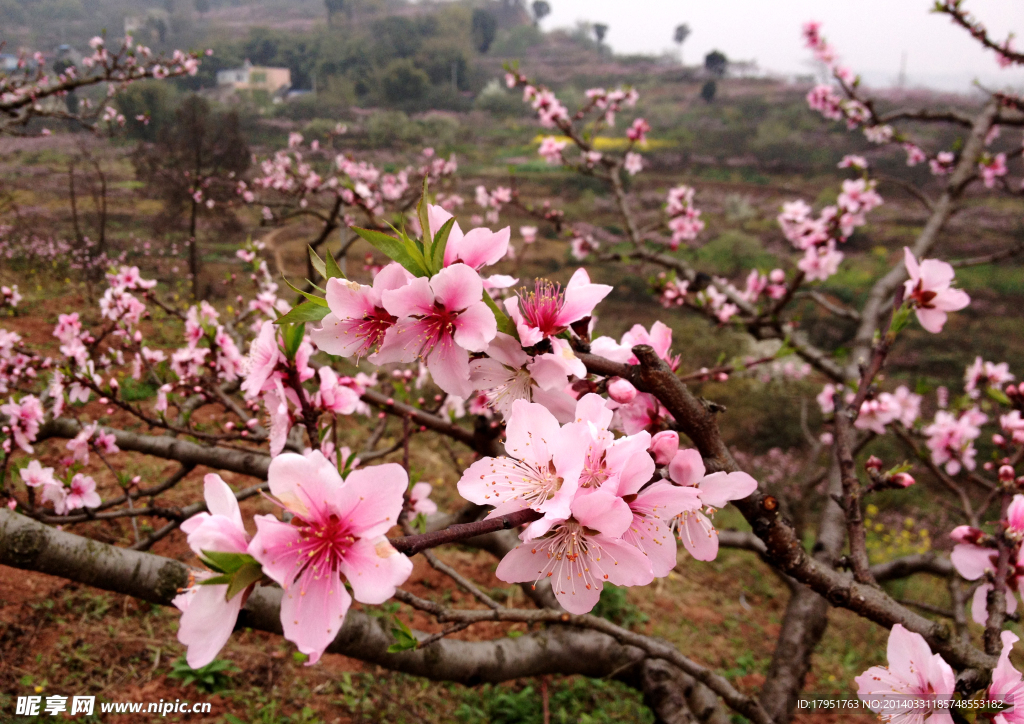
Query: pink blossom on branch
point(929, 290)
point(548, 310)
point(916, 686)
point(336, 535)
point(208, 617)
point(439, 321)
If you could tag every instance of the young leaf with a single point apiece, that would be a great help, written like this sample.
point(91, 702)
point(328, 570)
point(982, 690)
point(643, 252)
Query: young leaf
point(424, 217)
point(224, 562)
point(440, 245)
point(306, 312)
point(244, 577)
point(293, 334)
point(317, 263)
point(393, 249)
point(504, 323)
point(319, 301)
point(333, 270)
point(404, 640)
point(998, 395)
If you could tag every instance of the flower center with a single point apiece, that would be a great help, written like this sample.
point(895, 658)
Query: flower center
point(542, 305)
point(323, 544)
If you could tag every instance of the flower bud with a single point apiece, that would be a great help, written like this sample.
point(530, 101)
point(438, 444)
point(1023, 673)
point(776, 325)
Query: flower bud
point(965, 534)
point(904, 480)
point(988, 466)
point(873, 463)
point(252, 423)
point(1005, 474)
point(998, 440)
point(664, 445)
point(622, 391)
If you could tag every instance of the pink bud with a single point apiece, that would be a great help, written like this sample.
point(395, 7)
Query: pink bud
point(104, 400)
point(110, 410)
point(622, 391)
point(873, 463)
point(664, 445)
point(777, 276)
point(113, 384)
point(722, 377)
point(229, 425)
point(965, 534)
point(138, 336)
point(904, 480)
point(137, 479)
point(989, 466)
point(999, 440)
point(252, 423)
point(244, 433)
point(1005, 474)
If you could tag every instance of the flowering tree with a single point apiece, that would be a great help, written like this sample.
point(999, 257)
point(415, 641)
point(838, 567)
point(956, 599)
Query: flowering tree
point(593, 456)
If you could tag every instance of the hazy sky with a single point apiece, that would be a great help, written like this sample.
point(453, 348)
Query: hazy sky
point(871, 35)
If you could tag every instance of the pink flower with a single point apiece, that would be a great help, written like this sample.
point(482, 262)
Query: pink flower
point(633, 163)
point(548, 310)
point(82, 493)
point(419, 499)
point(715, 491)
point(620, 390)
point(35, 475)
point(337, 531)
point(638, 131)
point(981, 373)
point(57, 494)
point(916, 685)
point(440, 321)
point(334, 396)
point(581, 553)
point(1006, 684)
point(820, 262)
point(264, 354)
point(541, 469)
point(529, 234)
point(79, 444)
point(476, 249)
point(651, 530)
point(508, 374)
point(928, 289)
point(1013, 424)
point(972, 561)
point(951, 439)
point(207, 618)
point(25, 417)
point(551, 149)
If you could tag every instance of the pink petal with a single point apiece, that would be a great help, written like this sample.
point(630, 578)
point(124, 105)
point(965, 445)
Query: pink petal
point(220, 500)
point(580, 298)
point(635, 466)
point(348, 300)
point(971, 561)
point(531, 432)
point(206, 623)
point(559, 404)
point(336, 336)
point(628, 567)
point(371, 499)
point(718, 489)
point(699, 536)
point(307, 486)
point(457, 287)
point(393, 276)
point(416, 297)
point(374, 568)
point(313, 610)
point(214, 533)
point(475, 327)
point(478, 248)
point(931, 319)
point(979, 604)
point(449, 366)
point(952, 300)
point(594, 409)
point(910, 261)
point(437, 216)
point(687, 467)
point(936, 275)
point(602, 511)
point(506, 349)
point(275, 546)
point(908, 653)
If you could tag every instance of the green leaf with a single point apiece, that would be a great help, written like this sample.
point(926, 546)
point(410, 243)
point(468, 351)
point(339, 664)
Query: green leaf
point(293, 334)
point(306, 312)
point(224, 562)
point(440, 244)
point(504, 323)
point(244, 577)
point(395, 250)
point(221, 580)
point(317, 263)
point(319, 301)
point(998, 395)
point(421, 212)
point(333, 270)
point(404, 640)
point(900, 318)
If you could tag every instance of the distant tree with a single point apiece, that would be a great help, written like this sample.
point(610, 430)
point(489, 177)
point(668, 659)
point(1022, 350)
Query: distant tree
point(707, 92)
point(194, 166)
point(600, 30)
point(681, 34)
point(541, 10)
point(333, 8)
point(202, 6)
point(485, 28)
point(402, 81)
point(715, 63)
